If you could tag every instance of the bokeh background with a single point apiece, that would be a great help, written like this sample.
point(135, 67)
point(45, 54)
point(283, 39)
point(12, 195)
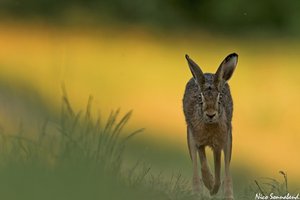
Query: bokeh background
point(130, 55)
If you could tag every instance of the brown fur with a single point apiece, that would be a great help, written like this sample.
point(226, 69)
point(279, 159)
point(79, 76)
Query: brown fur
point(212, 135)
point(208, 107)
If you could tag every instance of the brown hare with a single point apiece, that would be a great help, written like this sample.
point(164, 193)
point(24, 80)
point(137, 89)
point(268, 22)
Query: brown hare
point(207, 106)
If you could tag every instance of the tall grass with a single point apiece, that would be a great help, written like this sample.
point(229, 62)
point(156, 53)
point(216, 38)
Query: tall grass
point(81, 157)
point(78, 157)
point(75, 158)
point(77, 137)
point(267, 187)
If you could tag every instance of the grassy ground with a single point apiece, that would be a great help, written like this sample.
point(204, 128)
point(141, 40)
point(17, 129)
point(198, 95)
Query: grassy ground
point(82, 157)
point(79, 158)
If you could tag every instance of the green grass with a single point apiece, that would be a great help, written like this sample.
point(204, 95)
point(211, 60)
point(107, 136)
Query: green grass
point(77, 158)
point(81, 157)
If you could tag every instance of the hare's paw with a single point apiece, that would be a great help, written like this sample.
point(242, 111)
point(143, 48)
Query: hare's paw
point(228, 191)
point(197, 186)
point(208, 178)
point(215, 189)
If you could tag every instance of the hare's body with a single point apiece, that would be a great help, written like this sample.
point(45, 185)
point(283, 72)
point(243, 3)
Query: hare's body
point(208, 107)
point(212, 135)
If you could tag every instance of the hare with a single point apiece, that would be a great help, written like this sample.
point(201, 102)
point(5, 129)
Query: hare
point(208, 107)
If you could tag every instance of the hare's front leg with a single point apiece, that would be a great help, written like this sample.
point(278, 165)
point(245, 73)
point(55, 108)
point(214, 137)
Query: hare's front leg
point(217, 163)
point(208, 179)
point(197, 184)
point(228, 191)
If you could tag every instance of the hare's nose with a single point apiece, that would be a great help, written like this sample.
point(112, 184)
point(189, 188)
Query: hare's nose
point(211, 115)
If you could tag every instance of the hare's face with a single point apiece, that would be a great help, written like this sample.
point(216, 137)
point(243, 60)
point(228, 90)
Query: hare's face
point(210, 104)
point(210, 86)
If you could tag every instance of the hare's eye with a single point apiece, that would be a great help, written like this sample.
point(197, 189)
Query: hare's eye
point(200, 99)
point(220, 99)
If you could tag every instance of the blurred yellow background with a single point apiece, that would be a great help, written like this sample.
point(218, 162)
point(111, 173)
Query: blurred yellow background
point(134, 68)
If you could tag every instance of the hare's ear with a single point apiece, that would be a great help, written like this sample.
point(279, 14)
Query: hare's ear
point(227, 67)
point(196, 71)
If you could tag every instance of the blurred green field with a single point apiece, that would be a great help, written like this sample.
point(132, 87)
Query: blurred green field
point(143, 70)
point(85, 157)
